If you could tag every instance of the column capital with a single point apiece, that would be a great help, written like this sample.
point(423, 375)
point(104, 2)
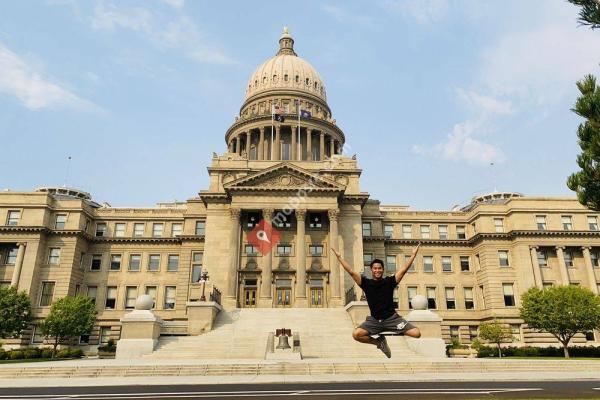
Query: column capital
point(261, 129)
point(300, 214)
point(19, 244)
point(294, 128)
point(234, 213)
point(586, 248)
point(268, 213)
point(277, 128)
point(534, 247)
point(333, 214)
point(560, 247)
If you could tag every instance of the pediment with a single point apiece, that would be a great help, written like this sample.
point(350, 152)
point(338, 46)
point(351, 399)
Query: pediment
point(284, 177)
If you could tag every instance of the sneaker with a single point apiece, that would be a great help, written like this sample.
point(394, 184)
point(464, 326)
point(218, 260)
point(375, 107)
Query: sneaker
point(383, 346)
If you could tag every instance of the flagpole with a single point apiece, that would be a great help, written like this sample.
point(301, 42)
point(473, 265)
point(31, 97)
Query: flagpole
point(299, 140)
point(272, 128)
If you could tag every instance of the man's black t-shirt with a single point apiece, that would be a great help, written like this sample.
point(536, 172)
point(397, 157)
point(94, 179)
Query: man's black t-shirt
point(380, 295)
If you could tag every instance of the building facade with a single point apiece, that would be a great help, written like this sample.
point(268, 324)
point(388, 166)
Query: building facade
point(475, 261)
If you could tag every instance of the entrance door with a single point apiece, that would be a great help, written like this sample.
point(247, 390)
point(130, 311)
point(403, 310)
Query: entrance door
point(316, 297)
point(283, 297)
point(249, 297)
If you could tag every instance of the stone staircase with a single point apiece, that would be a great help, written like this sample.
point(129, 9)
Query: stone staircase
point(243, 333)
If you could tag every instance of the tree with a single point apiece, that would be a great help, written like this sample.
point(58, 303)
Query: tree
point(587, 181)
point(69, 317)
point(562, 311)
point(15, 311)
point(589, 13)
point(495, 332)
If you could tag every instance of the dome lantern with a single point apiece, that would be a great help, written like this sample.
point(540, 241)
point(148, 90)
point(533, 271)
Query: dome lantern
point(286, 44)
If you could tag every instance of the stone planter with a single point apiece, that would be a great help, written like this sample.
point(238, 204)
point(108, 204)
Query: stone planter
point(462, 353)
point(106, 354)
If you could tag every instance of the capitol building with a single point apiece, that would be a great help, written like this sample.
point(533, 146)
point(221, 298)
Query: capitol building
point(475, 261)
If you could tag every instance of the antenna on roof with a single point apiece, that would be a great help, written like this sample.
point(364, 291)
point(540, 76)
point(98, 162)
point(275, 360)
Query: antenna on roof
point(67, 172)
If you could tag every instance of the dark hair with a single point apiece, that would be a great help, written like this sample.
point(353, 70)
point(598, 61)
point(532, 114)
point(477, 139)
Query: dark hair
point(376, 261)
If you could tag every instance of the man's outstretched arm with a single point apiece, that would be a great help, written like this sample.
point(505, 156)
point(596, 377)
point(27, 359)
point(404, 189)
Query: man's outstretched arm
point(406, 266)
point(347, 267)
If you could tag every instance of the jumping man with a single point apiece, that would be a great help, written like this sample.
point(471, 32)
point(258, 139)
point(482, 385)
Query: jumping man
point(379, 292)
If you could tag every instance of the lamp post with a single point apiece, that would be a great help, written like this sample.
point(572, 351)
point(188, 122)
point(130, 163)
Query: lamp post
point(203, 279)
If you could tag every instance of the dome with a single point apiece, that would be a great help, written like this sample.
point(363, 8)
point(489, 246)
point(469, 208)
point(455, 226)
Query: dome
point(286, 71)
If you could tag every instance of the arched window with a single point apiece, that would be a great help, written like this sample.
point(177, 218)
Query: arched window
point(285, 77)
point(264, 79)
point(274, 78)
point(307, 81)
point(297, 79)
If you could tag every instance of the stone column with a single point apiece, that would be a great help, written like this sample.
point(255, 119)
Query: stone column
point(234, 246)
point(309, 144)
point(537, 274)
point(294, 154)
point(562, 268)
point(331, 146)
point(18, 265)
point(322, 146)
point(334, 266)
point(248, 142)
point(301, 258)
point(277, 148)
point(261, 144)
point(589, 268)
point(238, 144)
point(267, 268)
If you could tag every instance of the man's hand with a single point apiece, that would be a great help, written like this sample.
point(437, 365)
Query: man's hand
point(400, 274)
point(416, 249)
point(356, 277)
point(337, 253)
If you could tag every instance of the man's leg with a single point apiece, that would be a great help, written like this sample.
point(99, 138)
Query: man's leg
point(363, 336)
point(413, 332)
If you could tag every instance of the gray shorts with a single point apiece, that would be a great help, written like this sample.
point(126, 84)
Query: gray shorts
point(395, 323)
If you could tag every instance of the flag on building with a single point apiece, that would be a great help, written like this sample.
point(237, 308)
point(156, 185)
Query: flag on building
point(305, 114)
point(278, 112)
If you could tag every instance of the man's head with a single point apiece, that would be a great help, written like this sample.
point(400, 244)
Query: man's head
point(377, 268)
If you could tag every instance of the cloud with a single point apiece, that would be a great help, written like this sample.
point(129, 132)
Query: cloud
point(422, 12)
point(345, 16)
point(33, 91)
point(174, 31)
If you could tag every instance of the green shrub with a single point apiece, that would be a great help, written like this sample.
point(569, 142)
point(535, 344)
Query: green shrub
point(76, 353)
point(31, 353)
point(3, 354)
point(16, 355)
point(110, 347)
point(46, 353)
point(486, 351)
point(63, 353)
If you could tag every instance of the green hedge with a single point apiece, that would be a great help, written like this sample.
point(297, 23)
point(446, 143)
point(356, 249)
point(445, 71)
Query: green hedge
point(512, 351)
point(33, 352)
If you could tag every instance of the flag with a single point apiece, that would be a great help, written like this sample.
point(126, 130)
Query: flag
point(278, 114)
point(305, 114)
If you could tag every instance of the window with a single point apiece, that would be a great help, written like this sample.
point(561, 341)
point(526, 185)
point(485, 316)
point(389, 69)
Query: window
point(515, 329)
point(119, 229)
point(315, 250)
point(135, 261)
point(197, 266)
point(469, 302)
point(176, 229)
point(250, 249)
point(151, 291)
point(411, 293)
point(284, 249)
point(509, 296)
point(37, 337)
point(77, 289)
point(450, 301)
point(115, 262)
point(499, 225)
point(425, 232)
point(567, 223)
point(173, 263)
point(315, 220)
point(407, 231)
point(101, 229)
point(460, 232)
point(464, 263)
point(431, 298)
point(54, 256)
point(81, 260)
point(589, 336)
point(282, 220)
point(170, 297)
point(111, 297)
point(482, 294)
point(61, 221)
point(11, 257)
point(594, 257)
point(540, 221)
point(366, 229)
point(96, 262)
point(388, 231)
point(568, 256)
point(84, 339)
point(446, 263)
point(542, 258)
point(390, 264)
point(251, 221)
point(503, 258)
point(454, 332)
point(154, 262)
point(285, 150)
point(87, 225)
point(47, 294)
point(592, 223)
point(92, 293)
point(412, 266)
point(443, 231)
point(200, 227)
point(138, 229)
point(104, 334)
point(14, 216)
point(473, 332)
point(546, 285)
point(427, 263)
point(157, 229)
point(130, 296)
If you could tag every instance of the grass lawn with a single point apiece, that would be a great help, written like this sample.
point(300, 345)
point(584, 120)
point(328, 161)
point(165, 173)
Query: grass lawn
point(545, 358)
point(31, 360)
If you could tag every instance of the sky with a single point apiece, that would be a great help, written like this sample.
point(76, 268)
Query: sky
point(441, 100)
